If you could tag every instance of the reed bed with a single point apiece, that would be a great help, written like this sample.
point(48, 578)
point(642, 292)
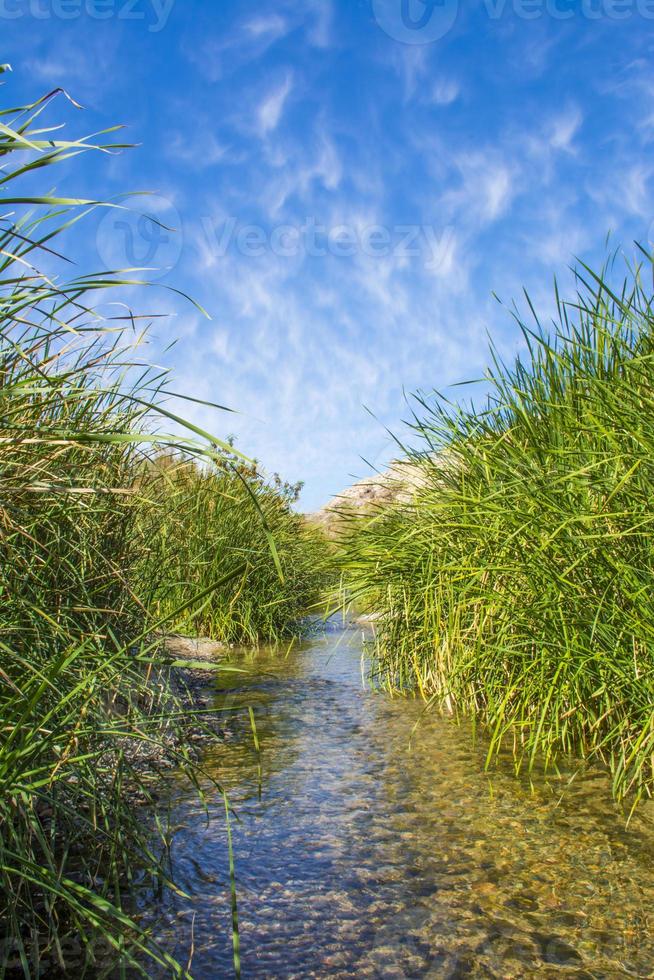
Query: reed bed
point(516, 585)
point(95, 563)
point(211, 520)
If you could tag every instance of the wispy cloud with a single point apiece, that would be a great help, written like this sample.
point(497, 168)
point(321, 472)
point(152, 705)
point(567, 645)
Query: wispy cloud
point(196, 147)
point(445, 91)
point(500, 147)
point(217, 56)
point(564, 128)
point(482, 189)
point(309, 165)
point(320, 16)
point(270, 110)
point(269, 26)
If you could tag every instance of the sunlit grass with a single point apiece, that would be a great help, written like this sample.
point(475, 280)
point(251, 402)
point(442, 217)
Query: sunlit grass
point(518, 585)
point(91, 573)
point(199, 522)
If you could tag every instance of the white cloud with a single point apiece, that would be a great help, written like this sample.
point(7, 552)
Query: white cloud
point(220, 345)
point(634, 188)
point(564, 128)
point(303, 343)
point(319, 28)
point(249, 39)
point(445, 92)
point(270, 110)
point(79, 62)
point(197, 147)
point(411, 63)
point(497, 190)
point(216, 56)
point(269, 26)
point(313, 162)
point(484, 190)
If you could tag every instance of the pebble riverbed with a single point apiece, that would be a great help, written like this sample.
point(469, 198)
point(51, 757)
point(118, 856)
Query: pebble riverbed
point(371, 842)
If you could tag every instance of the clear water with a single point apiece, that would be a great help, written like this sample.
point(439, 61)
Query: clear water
point(366, 848)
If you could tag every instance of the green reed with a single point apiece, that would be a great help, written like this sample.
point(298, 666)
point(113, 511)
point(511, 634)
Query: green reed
point(201, 521)
point(84, 705)
point(517, 584)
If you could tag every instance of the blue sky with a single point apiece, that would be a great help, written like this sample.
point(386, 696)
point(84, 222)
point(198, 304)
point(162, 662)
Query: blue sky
point(350, 180)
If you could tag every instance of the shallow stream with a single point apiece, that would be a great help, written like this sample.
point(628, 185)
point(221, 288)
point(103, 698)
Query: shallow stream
point(371, 842)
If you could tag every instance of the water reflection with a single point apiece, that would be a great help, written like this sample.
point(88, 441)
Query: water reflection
point(368, 849)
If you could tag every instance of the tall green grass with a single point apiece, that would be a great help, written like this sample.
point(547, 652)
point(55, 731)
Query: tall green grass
point(200, 522)
point(517, 586)
point(84, 705)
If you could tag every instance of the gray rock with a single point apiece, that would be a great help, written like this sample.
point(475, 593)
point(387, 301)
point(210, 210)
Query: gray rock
point(193, 648)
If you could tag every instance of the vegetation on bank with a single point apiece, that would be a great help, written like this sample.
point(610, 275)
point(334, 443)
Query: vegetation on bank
point(516, 584)
point(100, 552)
point(212, 521)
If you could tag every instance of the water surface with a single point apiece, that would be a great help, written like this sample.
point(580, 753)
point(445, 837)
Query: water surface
point(369, 846)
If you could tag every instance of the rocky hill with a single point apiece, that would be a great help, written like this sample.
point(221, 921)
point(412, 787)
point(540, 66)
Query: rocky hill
point(396, 483)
